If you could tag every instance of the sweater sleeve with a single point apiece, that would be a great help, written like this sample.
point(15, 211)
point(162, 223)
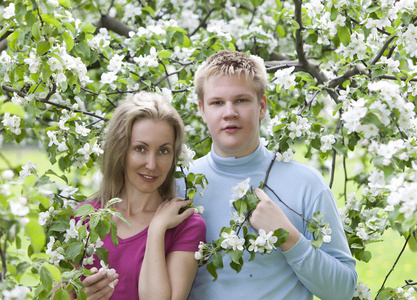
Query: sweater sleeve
point(328, 272)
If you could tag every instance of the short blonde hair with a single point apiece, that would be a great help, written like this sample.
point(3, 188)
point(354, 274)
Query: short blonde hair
point(229, 63)
point(144, 105)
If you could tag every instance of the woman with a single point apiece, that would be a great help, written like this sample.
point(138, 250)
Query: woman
point(155, 255)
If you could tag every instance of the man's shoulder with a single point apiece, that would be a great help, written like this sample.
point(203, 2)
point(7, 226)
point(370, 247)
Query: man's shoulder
point(199, 163)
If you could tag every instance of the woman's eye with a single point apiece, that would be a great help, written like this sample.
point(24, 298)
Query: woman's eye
point(164, 151)
point(139, 149)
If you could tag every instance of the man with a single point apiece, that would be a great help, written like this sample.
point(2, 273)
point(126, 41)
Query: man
point(231, 90)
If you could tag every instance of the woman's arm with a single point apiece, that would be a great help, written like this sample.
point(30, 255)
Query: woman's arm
point(166, 278)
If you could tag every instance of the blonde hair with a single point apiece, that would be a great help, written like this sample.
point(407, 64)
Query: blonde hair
point(229, 63)
point(144, 105)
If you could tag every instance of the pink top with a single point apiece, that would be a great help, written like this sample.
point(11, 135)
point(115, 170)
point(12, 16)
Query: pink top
point(127, 257)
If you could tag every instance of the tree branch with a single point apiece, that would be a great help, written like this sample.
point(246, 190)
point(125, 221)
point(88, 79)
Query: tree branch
point(202, 22)
point(381, 51)
point(392, 269)
point(114, 25)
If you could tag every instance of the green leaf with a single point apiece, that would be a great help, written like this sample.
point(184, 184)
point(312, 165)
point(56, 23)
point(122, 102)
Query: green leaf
point(74, 250)
point(84, 210)
point(236, 256)
point(13, 109)
point(217, 260)
point(365, 256)
point(87, 27)
point(281, 31)
point(62, 294)
point(164, 54)
point(36, 234)
point(48, 19)
point(102, 229)
point(344, 35)
point(333, 14)
point(212, 270)
point(69, 41)
point(43, 47)
point(46, 278)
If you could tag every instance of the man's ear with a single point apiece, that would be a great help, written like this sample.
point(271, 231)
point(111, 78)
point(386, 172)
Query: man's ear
point(201, 109)
point(262, 107)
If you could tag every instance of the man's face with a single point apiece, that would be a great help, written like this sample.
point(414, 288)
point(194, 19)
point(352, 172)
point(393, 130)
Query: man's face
point(232, 113)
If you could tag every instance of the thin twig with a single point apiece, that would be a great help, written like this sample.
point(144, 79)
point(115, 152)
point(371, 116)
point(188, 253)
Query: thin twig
point(393, 266)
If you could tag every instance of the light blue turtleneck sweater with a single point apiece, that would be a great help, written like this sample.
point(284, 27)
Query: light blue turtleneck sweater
point(328, 272)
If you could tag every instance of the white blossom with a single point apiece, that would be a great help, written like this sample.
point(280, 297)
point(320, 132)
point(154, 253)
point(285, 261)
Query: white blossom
point(19, 292)
point(28, 169)
point(12, 123)
point(284, 78)
point(9, 11)
point(186, 156)
point(240, 190)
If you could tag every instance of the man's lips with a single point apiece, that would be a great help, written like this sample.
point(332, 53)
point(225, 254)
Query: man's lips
point(231, 128)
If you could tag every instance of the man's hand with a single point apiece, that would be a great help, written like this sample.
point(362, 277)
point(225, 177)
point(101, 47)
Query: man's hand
point(269, 217)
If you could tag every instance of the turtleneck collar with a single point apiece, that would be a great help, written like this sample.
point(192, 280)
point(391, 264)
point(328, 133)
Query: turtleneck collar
point(259, 159)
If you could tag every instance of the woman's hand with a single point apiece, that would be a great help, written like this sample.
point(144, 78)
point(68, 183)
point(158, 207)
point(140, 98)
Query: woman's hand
point(167, 215)
point(97, 285)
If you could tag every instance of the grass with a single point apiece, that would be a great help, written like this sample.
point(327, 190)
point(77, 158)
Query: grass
point(373, 273)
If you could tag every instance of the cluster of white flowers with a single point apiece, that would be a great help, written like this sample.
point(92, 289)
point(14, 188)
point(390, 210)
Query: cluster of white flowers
point(12, 123)
point(240, 190)
point(55, 255)
point(53, 140)
point(389, 93)
point(299, 128)
point(110, 272)
point(232, 241)
point(86, 151)
point(9, 11)
point(284, 78)
point(45, 216)
point(67, 62)
point(101, 40)
point(199, 254)
point(186, 156)
point(326, 142)
point(91, 250)
point(404, 195)
point(406, 294)
point(28, 169)
point(286, 156)
point(72, 232)
point(354, 111)
point(263, 243)
point(362, 291)
point(356, 47)
point(20, 207)
point(19, 292)
point(408, 40)
point(150, 60)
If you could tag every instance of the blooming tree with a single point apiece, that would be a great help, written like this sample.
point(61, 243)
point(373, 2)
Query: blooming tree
point(342, 91)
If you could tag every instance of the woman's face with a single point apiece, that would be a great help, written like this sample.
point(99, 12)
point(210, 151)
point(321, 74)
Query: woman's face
point(149, 156)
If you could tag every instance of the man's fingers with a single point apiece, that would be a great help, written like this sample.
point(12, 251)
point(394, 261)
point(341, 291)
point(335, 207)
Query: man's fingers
point(262, 196)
